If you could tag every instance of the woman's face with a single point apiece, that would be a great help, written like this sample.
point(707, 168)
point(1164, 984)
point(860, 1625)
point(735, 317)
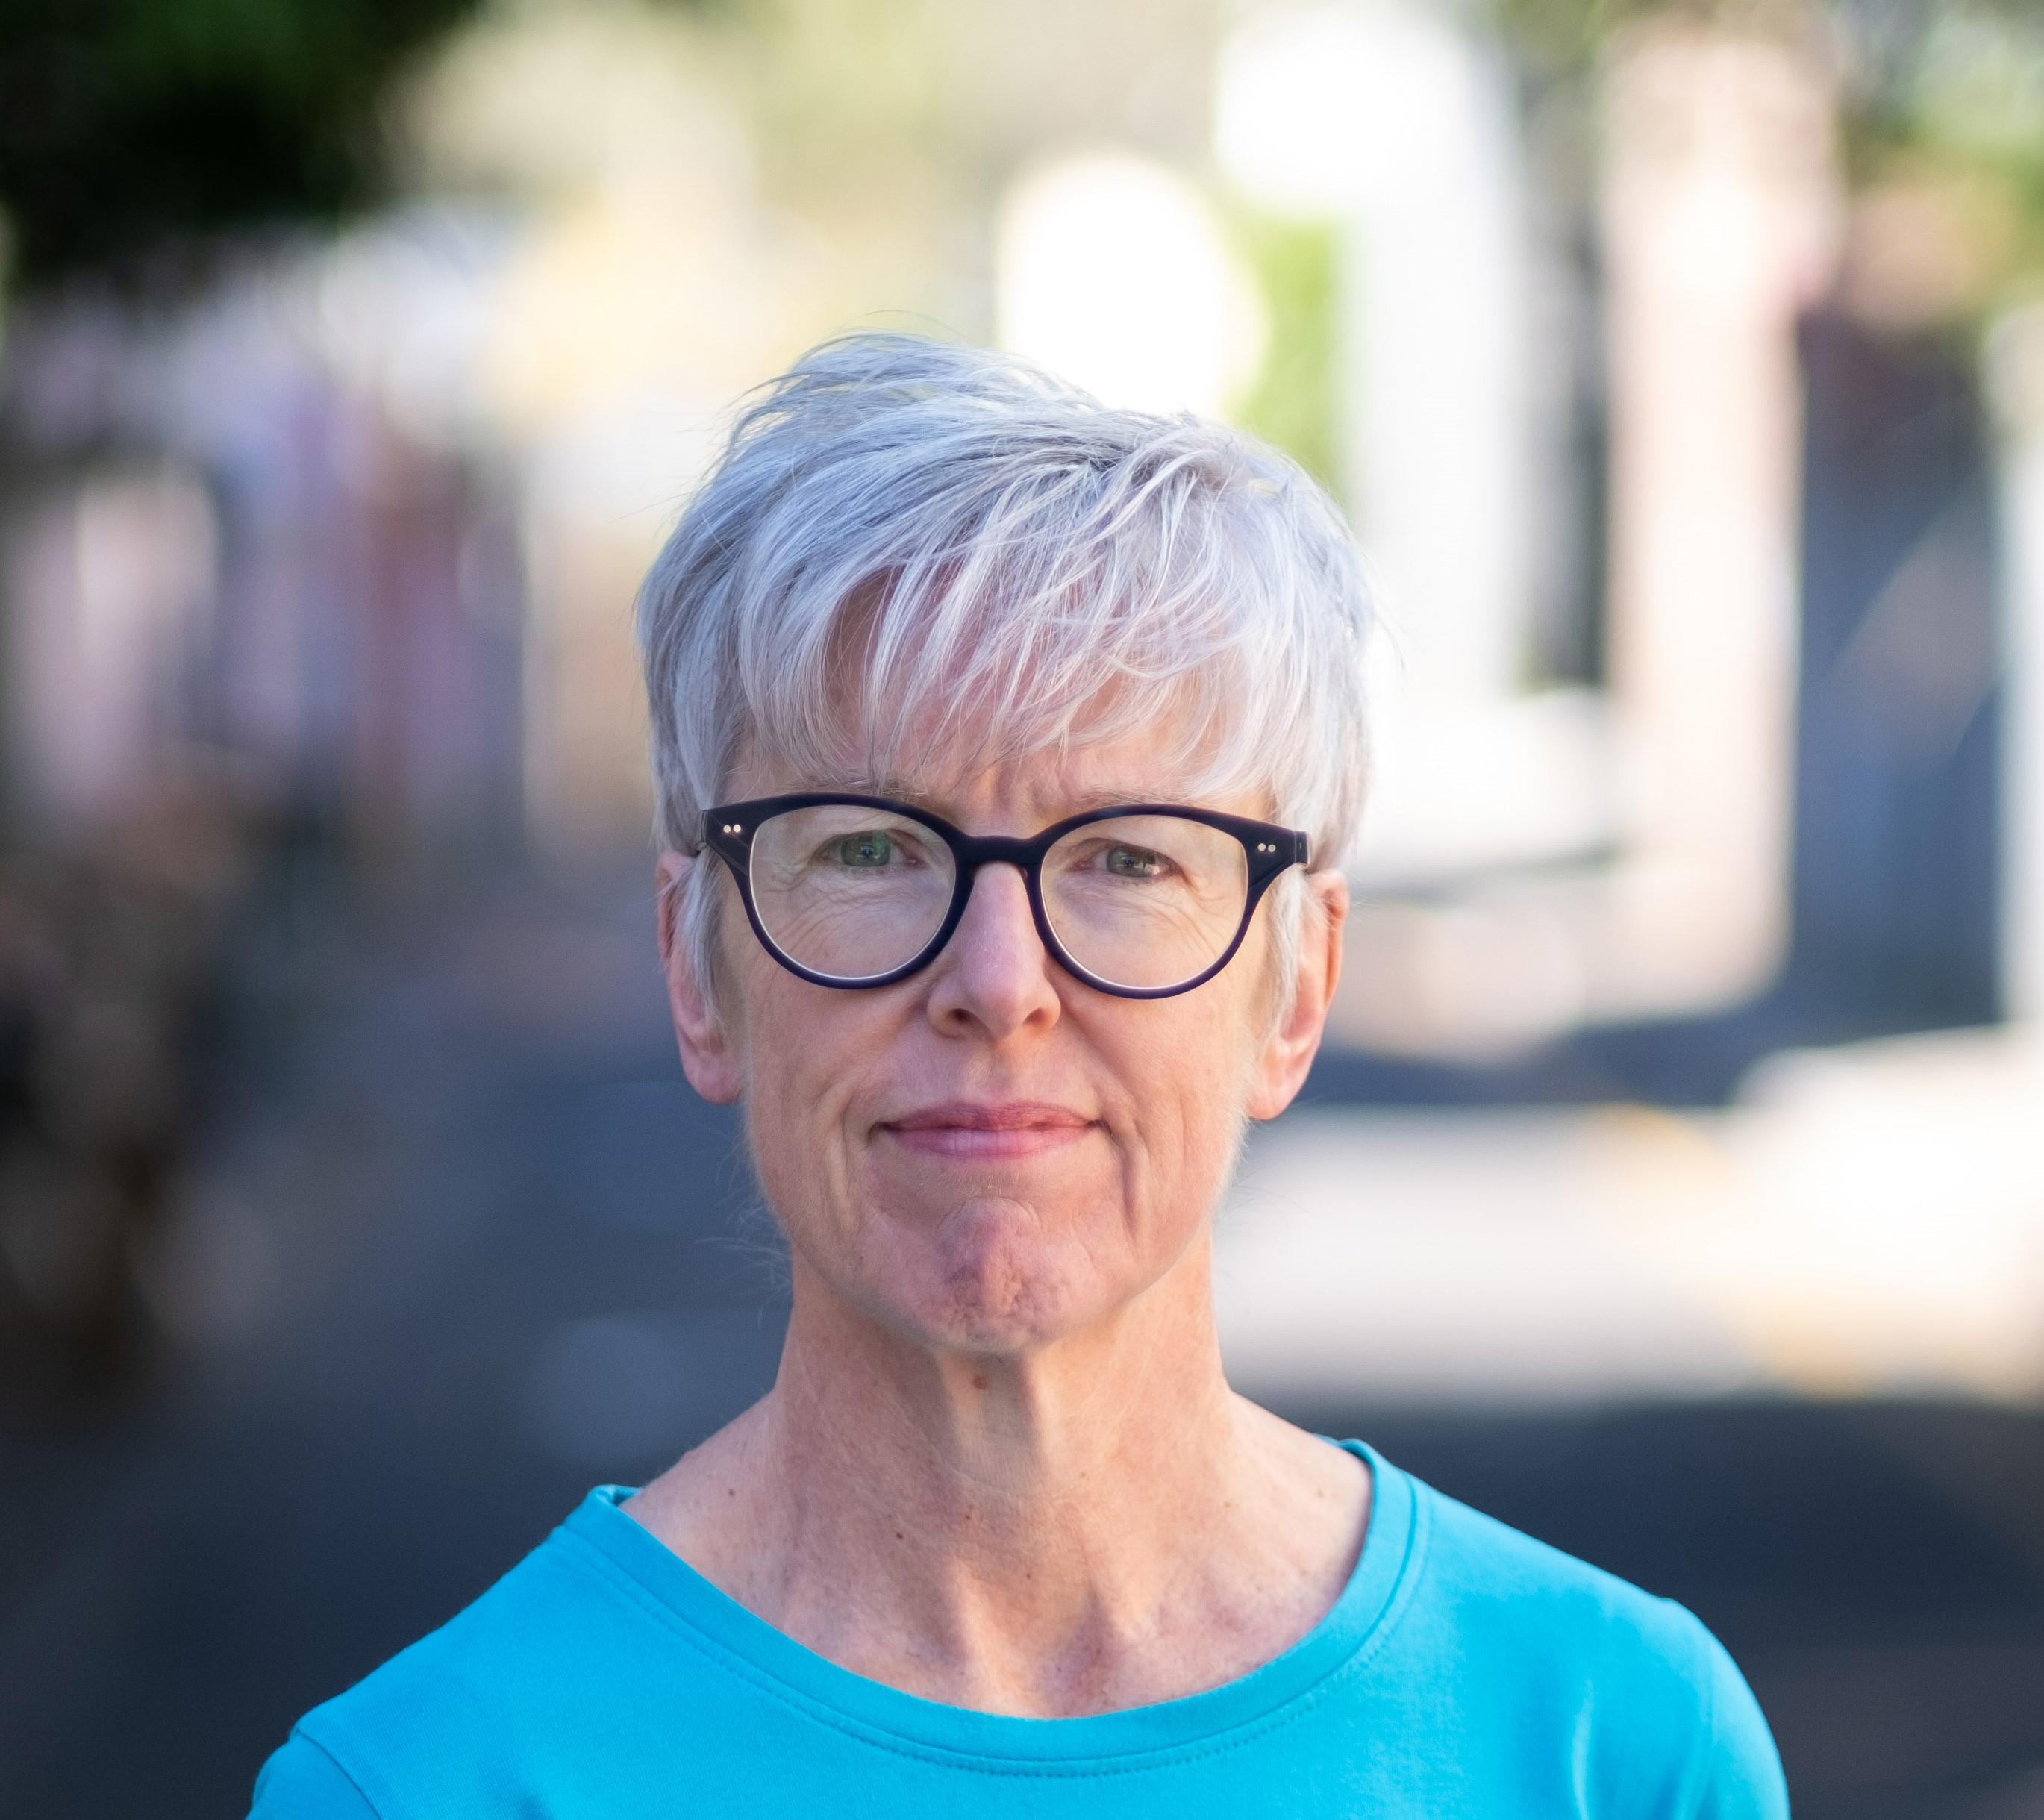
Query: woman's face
point(989, 1156)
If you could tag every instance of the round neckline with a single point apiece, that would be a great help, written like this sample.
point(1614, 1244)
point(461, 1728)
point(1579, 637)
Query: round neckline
point(751, 1647)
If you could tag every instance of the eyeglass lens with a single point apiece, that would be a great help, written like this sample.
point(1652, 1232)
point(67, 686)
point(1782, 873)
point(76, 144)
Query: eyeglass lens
point(852, 892)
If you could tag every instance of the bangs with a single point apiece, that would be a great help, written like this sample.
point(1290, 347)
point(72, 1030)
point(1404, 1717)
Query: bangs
point(979, 658)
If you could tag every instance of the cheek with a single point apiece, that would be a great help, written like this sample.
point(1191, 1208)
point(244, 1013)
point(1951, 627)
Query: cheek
point(805, 1067)
point(1186, 1074)
point(801, 1062)
point(815, 1064)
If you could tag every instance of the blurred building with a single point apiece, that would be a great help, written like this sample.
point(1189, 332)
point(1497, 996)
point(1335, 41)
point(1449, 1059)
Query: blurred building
point(223, 549)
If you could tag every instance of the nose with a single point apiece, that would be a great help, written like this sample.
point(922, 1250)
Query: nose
point(994, 974)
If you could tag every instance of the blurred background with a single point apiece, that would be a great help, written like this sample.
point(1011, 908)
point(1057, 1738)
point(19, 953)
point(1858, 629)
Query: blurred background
point(1673, 1186)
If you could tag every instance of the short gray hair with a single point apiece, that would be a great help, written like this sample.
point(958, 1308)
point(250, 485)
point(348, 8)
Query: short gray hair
point(911, 550)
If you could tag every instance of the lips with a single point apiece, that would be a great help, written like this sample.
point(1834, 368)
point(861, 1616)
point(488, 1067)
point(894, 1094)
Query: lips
point(969, 1132)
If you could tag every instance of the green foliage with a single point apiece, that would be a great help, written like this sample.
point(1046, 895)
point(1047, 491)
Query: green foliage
point(128, 123)
point(1951, 100)
point(1943, 97)
point(1561, 38)
point(1293, 403)
point(1560, 35)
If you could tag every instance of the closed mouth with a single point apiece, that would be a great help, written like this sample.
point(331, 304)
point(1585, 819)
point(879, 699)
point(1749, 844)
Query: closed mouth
point(971, 1131)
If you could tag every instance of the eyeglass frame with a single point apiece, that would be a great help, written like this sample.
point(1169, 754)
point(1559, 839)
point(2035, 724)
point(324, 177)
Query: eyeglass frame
point(727, 832)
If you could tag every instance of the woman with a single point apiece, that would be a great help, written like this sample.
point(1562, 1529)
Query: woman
point(1006, 749)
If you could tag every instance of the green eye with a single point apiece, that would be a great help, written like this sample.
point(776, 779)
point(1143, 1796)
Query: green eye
point(1133, 862)
point(868, 849)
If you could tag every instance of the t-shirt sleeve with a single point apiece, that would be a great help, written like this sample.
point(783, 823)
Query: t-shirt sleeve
point(1740, 1775)
point(300, 1781)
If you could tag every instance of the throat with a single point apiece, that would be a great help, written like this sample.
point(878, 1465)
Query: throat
point(1020, 1559)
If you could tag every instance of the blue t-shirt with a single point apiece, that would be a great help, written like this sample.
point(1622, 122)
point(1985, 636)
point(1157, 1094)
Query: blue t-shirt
point(1466, 1671)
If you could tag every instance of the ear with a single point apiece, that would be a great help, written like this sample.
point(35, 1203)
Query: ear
point(708, 1058)
point(1280, 1070)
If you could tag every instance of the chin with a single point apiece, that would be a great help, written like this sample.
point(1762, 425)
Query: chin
point(991, 1282)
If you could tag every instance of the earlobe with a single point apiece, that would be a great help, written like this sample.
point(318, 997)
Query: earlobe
point(700, 1032)
point(1287, 1057)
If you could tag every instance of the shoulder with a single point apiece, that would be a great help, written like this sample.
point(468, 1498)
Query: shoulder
point(301, 1782)
point(1507, 1581)
point(490, 1694)
point(1654, 1712)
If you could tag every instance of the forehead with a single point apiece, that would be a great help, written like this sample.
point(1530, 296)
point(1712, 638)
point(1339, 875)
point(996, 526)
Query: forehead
point(1022, 791)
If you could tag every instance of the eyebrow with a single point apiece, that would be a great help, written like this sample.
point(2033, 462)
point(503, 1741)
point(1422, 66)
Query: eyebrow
point(1081, 803)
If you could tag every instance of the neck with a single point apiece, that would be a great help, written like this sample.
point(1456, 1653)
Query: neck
point(1004, 1459)
point(1095, 1523)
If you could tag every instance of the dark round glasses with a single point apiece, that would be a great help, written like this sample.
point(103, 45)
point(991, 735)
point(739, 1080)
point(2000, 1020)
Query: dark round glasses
point(1142, 901)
